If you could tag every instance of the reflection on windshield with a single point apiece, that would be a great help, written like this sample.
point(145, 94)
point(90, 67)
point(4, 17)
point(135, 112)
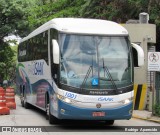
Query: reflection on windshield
point(79, 53)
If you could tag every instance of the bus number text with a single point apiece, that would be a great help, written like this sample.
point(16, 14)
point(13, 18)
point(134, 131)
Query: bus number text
point(70, 95)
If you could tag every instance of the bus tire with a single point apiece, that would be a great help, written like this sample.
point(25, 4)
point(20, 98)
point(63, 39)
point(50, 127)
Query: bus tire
point(22, 101)
point(47, 106)
point(26, 105)
point(47, 112)
point(52, 119)
point(22, 96)
point(109, 122)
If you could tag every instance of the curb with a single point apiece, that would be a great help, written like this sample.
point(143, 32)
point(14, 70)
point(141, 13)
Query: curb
point(148, 119)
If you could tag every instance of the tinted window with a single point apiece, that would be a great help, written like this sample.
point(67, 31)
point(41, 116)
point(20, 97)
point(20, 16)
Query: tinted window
point(35, 48)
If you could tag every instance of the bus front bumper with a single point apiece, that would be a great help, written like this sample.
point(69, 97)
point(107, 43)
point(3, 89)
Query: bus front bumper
point(67, 111)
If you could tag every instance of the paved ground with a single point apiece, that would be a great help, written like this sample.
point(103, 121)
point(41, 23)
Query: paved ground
point(35, 117)
point(145, 115)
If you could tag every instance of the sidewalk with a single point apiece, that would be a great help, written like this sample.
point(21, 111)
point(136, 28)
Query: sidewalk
point(145, 115)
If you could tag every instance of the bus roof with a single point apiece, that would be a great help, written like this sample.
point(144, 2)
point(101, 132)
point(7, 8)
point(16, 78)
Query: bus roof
point(81, 26)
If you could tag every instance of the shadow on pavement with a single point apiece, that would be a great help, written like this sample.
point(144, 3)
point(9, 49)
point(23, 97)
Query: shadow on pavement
point(77, 125)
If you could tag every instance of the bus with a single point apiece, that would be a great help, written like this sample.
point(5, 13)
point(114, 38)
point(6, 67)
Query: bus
point(78, 69)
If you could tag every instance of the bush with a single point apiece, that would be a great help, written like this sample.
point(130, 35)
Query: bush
point(157, 109)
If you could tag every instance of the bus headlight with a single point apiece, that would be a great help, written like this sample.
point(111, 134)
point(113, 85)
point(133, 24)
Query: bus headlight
point(65, 99)
point(126, 101)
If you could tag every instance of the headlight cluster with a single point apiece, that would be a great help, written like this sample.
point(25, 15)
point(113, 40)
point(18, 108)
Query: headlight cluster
point(127, 101)
point(65, 99)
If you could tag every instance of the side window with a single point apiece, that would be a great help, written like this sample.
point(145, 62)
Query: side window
point(41, 46)
point(29, 50)
point(35, 48)
point(18, 56)
point(44, 47)
point(19, 48)
point(22, 51)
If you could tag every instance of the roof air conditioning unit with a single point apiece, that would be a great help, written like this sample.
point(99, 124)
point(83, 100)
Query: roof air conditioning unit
point(143, 17)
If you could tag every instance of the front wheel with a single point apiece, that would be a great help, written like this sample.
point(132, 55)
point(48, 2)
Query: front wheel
point(22, 96)
point(24, 101)
point(50, 117)
point(109, 122)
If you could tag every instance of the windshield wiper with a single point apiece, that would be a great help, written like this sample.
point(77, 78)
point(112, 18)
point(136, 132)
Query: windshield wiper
point(109, 74)
point(86, 77)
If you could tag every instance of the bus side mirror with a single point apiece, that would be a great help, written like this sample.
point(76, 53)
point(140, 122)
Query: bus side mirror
point(55, 51)
point(140, 54)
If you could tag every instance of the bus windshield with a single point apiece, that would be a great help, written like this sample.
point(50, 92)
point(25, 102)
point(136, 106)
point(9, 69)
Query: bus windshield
point(95, 62)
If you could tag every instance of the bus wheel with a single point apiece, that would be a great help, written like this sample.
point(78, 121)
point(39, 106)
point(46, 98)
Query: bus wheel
point(52, 119)
point(109, 122)
point(26, 105)
point(47, 112)
point(22, 97)
point(22, 101)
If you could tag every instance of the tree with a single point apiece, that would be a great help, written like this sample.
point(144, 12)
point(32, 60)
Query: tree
point(6, 58)
point(20, 17)
point(115, 10)
point(54, 9)
point(13, 20)
point(13, 17)
point(154, 11)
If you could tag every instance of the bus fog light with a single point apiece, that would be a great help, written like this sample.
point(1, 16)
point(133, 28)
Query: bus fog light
point(62, 111)
point(130, 111)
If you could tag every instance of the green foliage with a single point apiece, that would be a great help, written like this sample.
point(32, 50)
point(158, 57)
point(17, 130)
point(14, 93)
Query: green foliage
point(59, 8)
point(115, 10)
point(23, 16)
point(13, 17)
point(20, 17)
point(13, 20)
point(6, 60)
point(155, 13)
point(157, 109)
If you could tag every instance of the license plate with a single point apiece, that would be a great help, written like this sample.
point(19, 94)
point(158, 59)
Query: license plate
point(98, 114)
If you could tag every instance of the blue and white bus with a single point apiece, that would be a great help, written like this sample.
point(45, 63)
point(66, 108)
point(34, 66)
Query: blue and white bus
point(79, 69)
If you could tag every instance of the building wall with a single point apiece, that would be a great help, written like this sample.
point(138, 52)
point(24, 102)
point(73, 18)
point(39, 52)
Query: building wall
point(143, 34)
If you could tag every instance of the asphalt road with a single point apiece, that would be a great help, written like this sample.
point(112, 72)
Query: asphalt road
point(34, 117)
